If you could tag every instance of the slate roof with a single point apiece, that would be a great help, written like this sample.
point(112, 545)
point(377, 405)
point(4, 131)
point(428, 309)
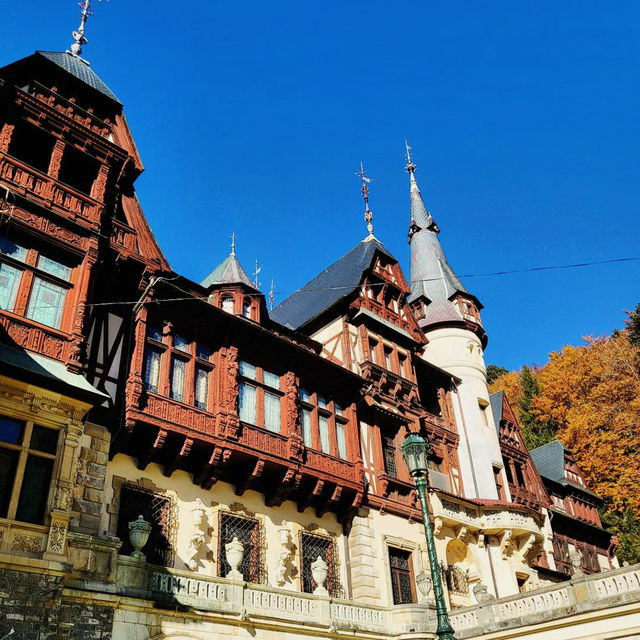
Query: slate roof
point(80, 70)
point(549, 460)
point(496, 400)
point(329, 287)
point(431, 274)
point(229, 271)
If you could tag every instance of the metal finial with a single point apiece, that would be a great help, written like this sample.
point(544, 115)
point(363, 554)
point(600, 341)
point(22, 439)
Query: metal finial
point(272, 296)
point(410, 166)
point(233, 243)
point(78, 36)
point(368, 216)
point(255, 275)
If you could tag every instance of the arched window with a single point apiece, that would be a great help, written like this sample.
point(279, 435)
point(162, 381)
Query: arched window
point(227, 304)
point(246, 308)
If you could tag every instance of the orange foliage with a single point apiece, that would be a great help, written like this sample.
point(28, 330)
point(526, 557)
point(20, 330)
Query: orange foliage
point(592, 393)
point(511, 385)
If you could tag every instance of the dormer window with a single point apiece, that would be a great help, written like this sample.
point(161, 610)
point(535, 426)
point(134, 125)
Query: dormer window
point(227, 304)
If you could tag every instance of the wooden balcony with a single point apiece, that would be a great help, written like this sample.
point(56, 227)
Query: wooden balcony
point(124, 237)
point(48, 192)
point(70, 109)
point(214, 446)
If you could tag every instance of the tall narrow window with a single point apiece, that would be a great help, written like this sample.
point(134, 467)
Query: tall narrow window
point(178, 371)
point(306, 427)
point(373, 348)
point(9, 282)
point(323, 428)
point(202, 387)
point(401, 578)
point(388, 358)
point(247, 531)
point(342, 440)
point(260, 397)
point(153, 357)
point(27, 457)
point(227, 304)
point(314, 546)
point(389, 454)
point(155, 508)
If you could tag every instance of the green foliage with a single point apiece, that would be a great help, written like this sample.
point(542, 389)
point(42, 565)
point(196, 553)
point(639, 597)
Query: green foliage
point(633, 325)
point(625, 525)
point(535, 431)
point(494, 371)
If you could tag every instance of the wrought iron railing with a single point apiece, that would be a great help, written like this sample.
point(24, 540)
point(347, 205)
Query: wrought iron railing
point(457, 579)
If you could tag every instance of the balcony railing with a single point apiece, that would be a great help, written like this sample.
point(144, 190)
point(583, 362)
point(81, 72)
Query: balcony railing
point(66, 200)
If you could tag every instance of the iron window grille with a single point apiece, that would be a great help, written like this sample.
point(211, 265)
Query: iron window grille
point(312, 546)
point(457, 580)
point(156, 510)
point(250, 534)
point(389, 454)
point(401, 576)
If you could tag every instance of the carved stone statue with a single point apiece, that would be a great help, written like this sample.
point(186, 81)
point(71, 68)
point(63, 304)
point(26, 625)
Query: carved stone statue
point(284, 557)
point(197, 538)
point(481, 593)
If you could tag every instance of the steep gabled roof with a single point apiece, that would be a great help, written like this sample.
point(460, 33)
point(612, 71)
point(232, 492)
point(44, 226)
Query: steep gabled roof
point(329, 287)
point(80, 69)
point(550, 462)
point(229, 271)
point(497, 402)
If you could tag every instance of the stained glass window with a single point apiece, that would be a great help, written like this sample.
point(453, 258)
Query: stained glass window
point(272, 412)
point(202, 387)
point(178, 370)
point(152, 369)
point(46, 303)
point(9, 283)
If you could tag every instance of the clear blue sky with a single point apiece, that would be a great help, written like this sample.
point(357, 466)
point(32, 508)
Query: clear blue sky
point(254, 117)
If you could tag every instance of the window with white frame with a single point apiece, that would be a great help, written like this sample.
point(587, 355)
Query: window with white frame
point(177, 367)
point(324, 424)
point(260, 401)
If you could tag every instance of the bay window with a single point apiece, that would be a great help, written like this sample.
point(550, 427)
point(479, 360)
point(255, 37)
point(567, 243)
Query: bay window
point(260, 401)
point(32, 284)
point(323, 424)
point(178, 368)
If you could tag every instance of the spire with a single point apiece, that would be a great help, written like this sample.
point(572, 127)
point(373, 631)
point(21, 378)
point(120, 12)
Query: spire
point(432, 278)
point(420, 216)
point(368, 216)
point(78, 36)
point(233, 243)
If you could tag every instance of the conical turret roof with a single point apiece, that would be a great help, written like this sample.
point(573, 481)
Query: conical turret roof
point(229, 271)
point(432, 277)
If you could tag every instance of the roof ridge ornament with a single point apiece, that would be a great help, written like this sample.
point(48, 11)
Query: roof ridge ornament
point(233, 243)
point(368, 215)
point(78, 36)
point(410, 167)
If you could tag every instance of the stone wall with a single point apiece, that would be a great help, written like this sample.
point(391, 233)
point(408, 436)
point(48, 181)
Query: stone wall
point(90, 479)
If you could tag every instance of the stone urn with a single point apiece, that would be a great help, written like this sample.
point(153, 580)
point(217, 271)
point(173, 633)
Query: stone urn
point(424, 583)
point(139, 531)
point(319, 570)
point(234, 552)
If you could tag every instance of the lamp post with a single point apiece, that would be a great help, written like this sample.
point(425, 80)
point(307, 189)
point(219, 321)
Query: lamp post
point(415, 450)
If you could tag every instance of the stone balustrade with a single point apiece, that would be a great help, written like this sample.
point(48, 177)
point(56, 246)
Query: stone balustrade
point(581, 595)
point(261, 604)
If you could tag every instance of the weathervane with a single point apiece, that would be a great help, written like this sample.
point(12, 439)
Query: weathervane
point(272, 295)
point(78, 36)
point(255, 275)
point(368, 216)
point(410, 166)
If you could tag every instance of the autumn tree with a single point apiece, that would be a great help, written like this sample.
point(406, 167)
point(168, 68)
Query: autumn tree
point(494, 371)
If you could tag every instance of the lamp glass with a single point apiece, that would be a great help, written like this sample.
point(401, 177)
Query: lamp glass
point(414, 450)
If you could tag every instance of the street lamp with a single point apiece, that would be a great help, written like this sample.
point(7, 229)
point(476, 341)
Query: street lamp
point(415, 450)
